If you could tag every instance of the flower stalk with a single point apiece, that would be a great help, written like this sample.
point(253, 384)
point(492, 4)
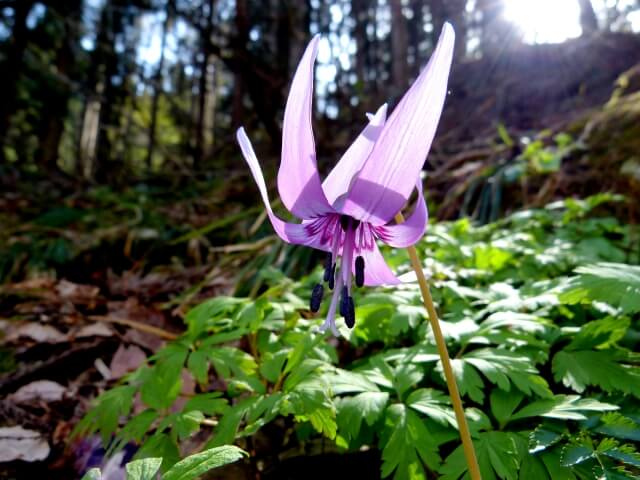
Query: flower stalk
point(454, 394)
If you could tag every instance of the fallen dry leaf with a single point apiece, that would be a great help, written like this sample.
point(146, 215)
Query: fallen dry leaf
point(94, 330)
point(125, 360)
point(37, 332)
point(17, 443)
point(44, 390)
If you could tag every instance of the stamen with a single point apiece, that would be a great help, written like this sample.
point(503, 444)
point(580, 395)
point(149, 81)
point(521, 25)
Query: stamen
point(332, 277)
point(328, 267)
point(359, 271)
point(344, 302)
point(350, 313)
point(316, 297)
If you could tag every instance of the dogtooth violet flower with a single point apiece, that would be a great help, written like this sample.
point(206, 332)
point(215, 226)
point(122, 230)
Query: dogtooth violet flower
point(355, 205)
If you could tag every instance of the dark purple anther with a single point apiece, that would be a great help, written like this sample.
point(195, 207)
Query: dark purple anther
point(316, 297)
point(328, 267)
point(344, 301)
point(350, 313)
point(332, 277)
point(359, 271)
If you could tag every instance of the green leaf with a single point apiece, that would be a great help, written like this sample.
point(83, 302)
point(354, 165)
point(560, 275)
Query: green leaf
point(503, 367)
point(105, 416)
point(144, 469)
point(310, 400)
point(566, 407)
point(229, 423)
point(498, 457)
point(160, 445)
point(407, 443)
point(541, 439)
point(574, 454)
point(92, 474)
point(162, 386)
point(533, 468)
point(551, 460)
point(468, 380)
point(367, 406)
point(195, 465)
point(208, 403)
point(199, 318)
point(617, 425)
point(198, 365)
point(344, 381)
point(503, 404)
point(617, 284)
point(187, 423)
point(434, 404)
point(602, 368)
point(599, 333)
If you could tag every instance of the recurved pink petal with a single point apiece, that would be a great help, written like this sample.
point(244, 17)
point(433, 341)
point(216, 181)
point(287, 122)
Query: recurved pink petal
point(339, 180)
point(376, 270)
point(411, 230)
point(295, 233)
point(386, 180)
point(298, 180)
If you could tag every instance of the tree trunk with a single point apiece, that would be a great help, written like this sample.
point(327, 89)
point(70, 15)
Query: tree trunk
point(588, 20)
point(57, 87)
point(12, 67)
point(157, 85)
point(399, 67)
point(242, 33)
point(202, 86)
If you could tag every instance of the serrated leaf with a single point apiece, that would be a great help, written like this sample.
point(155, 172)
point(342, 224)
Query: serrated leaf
point(497, 454)
point(162, 386)
point(574, 454)
point(187, 423)
point(567, 407)
point(582, 368)
point(407, 443)
point(144, 469)
point(198, 365)
point(468, 380)
point(344, 381)
point(617, 284)
point(617, 425)
point(208, 403)
point(533, 468)
point(503, 404)
point(599, 333)
point(160, 445)
point(195, 465)
point(551, 460)
point(434, 404)
point(540, 439)
point(367, 406)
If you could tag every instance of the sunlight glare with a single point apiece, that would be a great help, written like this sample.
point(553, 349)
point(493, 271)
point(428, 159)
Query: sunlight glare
point(544, 21)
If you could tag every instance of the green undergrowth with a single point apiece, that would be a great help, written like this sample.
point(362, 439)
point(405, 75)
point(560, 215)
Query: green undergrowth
point(540, 312)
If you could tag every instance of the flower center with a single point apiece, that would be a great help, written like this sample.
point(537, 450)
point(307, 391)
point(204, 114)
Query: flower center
point(346, 239)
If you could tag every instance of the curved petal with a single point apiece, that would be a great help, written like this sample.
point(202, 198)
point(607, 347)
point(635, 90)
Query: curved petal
point(386, 179)
point(295, 233)
point(376, 270)
point(411, 230)
point(339, 180)
point(298, 180)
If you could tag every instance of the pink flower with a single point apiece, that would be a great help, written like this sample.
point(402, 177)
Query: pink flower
point(355, 205)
